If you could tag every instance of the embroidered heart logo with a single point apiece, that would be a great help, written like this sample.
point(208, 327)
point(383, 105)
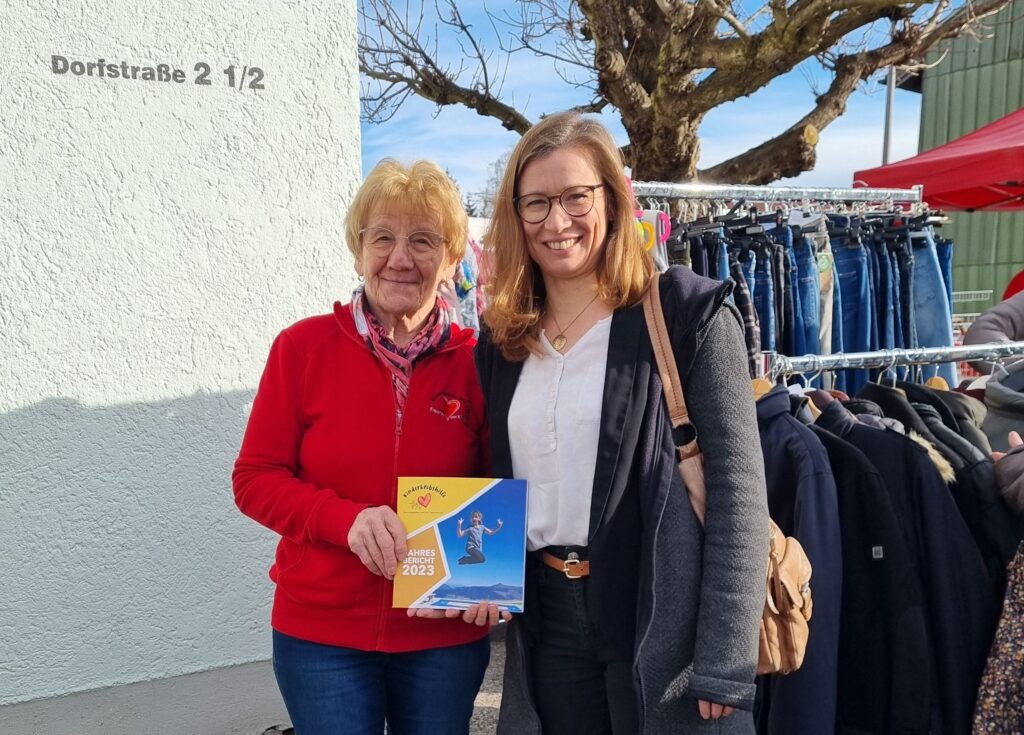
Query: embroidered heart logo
point(424, 500)
point(451, 408)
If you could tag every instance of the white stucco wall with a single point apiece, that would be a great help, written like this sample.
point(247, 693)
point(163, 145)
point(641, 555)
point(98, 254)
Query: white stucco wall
point(154, 236)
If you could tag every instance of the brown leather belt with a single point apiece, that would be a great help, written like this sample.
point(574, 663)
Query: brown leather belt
point(573, 568)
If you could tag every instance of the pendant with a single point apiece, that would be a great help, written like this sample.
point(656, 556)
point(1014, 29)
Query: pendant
point(558, 342)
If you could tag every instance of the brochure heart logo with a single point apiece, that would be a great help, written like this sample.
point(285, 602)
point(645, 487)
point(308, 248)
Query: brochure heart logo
point(451, 408)
point(424, 500)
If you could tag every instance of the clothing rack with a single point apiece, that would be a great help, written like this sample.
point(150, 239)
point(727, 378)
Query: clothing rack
point(775, 365)
point(666, 190)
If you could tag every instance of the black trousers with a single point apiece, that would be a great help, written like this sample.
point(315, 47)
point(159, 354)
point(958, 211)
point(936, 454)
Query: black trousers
point(576, 688)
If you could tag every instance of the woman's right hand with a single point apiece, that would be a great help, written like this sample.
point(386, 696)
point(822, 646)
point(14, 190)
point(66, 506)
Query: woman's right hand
point(378, 538)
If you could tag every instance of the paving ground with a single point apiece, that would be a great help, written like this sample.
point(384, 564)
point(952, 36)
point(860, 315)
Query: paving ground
point(485, 714)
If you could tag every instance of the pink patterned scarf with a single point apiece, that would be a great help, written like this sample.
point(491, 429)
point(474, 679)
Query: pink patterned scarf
point(399, 360)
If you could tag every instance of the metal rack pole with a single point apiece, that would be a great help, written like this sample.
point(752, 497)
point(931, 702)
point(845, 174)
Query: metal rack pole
point(778, 365)
point(667, 190)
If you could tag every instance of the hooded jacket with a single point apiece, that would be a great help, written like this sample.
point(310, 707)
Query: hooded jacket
point(1004, 397)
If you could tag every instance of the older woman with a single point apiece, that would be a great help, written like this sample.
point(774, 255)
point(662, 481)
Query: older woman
point(637, 619)
point(348, 402)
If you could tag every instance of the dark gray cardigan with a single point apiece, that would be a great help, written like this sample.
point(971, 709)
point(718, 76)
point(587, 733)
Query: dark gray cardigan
point(697, 595)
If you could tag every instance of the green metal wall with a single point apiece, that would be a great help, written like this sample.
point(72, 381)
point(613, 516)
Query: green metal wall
point(977, 81)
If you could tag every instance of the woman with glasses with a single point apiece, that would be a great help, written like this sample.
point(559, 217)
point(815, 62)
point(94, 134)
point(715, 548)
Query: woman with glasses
point(636, 618)
point(382, 387)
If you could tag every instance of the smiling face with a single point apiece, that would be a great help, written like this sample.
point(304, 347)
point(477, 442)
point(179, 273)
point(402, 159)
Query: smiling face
point(476, 519)
point(401, 284)
point(564, 247)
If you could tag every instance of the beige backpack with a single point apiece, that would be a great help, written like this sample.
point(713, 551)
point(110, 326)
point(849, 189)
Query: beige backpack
point(787, 608)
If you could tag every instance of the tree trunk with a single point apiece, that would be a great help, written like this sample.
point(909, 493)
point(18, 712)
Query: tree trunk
point(669, 153)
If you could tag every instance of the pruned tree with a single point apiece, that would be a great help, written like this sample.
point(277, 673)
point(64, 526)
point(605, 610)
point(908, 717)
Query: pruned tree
point(662, 64)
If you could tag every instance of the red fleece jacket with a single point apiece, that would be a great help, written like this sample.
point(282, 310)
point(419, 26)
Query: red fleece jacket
point(322, 444)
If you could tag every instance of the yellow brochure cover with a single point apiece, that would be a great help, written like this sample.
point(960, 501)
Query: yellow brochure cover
point(467, 542)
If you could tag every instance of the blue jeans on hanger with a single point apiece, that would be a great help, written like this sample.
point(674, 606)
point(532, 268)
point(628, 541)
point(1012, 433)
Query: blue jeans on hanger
point(905, 260)
point(932, 314)
point(764, 301)
point(723, 257)
point(857, 314)
point(748, 262)
point(884, 294)
point(839, 376)
point(808, 297)
point(944, 249)
point(331, 689)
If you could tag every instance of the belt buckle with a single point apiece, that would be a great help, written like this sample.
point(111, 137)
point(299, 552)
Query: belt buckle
point(569, 564)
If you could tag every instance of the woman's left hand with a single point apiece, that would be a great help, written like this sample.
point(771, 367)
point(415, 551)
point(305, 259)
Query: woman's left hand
point(482, 613)
point(712, 710)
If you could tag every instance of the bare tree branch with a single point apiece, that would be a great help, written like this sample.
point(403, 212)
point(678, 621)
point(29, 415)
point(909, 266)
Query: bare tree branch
point(661, 64)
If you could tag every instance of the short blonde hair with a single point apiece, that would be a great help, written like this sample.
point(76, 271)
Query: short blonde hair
point(515, 297)
point(423, 188)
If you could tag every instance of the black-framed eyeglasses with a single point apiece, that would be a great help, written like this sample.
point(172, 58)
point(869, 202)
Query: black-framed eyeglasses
point(382, 240)
point(576, 201)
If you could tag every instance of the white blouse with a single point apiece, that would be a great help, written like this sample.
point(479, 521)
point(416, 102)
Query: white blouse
point(553, 427)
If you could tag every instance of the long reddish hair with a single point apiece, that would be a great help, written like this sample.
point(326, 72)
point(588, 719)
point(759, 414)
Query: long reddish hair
point(516, 295)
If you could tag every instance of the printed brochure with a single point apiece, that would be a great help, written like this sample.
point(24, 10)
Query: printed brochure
point(467, 542)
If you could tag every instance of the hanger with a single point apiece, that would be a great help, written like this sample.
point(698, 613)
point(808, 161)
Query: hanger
point(762, 385)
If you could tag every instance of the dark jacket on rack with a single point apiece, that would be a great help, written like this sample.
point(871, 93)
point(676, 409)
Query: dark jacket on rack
point(1004, 397)
point(970, 415)
point(883, 648)
point(959, 610)
point(1009, 478)
point(894, 403)
point(802, 501)
point(655, 588)
point(917, 393)
point(996, 531)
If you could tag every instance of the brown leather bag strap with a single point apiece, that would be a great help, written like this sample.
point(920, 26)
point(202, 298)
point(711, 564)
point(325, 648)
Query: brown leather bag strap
point(689, 455)
point(662, 345)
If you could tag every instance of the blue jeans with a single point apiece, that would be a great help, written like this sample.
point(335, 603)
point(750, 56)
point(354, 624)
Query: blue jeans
point(748, 262)
point(723, 262)
point(905, 260)
point(944, 249)
point(806, 319)
point(857, 313)
point(884, 295)
point(839, 376)
point(764, 301)
point(932, 316)
point(330, 689)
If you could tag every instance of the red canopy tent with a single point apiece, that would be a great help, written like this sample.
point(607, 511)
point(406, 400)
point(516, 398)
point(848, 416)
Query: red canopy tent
point(981, 171)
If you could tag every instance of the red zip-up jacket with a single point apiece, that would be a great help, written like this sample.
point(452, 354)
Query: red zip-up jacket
point(323, 443)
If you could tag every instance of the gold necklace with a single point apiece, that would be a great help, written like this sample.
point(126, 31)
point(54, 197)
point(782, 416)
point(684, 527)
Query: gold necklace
point(559, 341)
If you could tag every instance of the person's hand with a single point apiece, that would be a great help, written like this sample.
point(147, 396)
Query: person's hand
point(712, 710)
point(482, 613)
point(460, 521)
point(1014, 441)
point(378, 538)
point(501, 522)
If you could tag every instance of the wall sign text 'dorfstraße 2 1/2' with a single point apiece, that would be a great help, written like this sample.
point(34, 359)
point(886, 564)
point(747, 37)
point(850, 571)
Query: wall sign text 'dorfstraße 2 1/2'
point(239, 77)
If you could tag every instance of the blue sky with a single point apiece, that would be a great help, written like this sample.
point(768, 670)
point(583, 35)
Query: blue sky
point(465, 143)
point(503, 550)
